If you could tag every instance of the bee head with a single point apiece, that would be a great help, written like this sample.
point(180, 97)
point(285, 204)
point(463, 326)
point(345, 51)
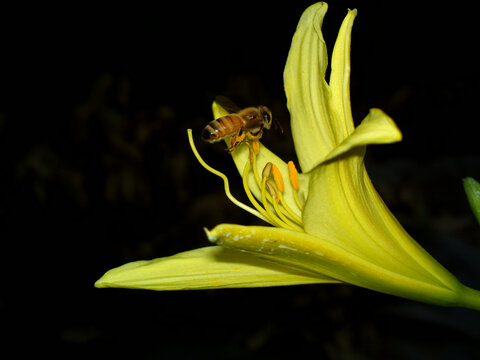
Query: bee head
point(267, 116)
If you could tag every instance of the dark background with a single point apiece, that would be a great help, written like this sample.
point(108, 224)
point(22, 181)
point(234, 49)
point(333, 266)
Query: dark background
point(96, 172)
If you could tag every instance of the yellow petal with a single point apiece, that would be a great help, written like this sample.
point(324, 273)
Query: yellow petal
point(340, 75)
point(308, 94)
point(205, 268)
point(376, 128)
point(344, 207)
point(323, 256)
point(218, 111)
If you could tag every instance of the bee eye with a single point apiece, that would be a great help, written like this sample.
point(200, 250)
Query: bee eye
point(266, 117)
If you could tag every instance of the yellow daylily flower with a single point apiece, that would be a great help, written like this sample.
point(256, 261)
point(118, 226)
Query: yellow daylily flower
point(328, 223)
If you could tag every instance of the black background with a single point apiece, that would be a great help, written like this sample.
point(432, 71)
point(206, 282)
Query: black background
point(96, 172)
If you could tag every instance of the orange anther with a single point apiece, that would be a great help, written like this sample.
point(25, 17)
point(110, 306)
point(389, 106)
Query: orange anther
point(277, 177)
point(292, 171)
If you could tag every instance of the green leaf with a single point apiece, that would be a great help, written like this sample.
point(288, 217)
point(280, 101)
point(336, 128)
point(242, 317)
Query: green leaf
point(472, 189)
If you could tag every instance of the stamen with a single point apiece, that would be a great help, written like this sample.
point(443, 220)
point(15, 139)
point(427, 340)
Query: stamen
point(298, 201)
point(271, 214)
point(267, 170)
point(225, 180)
point(256, 146)
point(288, 211)
point(271, 190)
point(253, 160)
point(275, 197)
point(279, 211)
point(251, 153)
point(277, 177)
point(255, 171)
point(252, 198)
point(266, 173)
point(292, 171)
point(290, 223)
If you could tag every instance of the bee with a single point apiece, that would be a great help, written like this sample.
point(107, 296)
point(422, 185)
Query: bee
point(240, 125)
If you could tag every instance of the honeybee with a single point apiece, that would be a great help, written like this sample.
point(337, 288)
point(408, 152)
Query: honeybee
point(241, 124)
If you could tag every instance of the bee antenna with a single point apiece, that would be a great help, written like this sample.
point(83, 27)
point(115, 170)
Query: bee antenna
point(277, 125)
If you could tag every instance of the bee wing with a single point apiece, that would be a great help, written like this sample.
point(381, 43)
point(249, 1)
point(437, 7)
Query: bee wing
point(227, 104)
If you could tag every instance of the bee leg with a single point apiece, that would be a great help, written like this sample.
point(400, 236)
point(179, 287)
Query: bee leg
point(236, 140)
point(255, 136)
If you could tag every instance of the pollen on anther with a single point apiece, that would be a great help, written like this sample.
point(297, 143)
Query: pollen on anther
point(277, 177)
point(292, 171)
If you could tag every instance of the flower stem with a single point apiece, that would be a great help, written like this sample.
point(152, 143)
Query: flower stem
point(469, 298)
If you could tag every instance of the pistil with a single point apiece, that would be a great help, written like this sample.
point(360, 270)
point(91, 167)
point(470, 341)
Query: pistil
point(273, 207)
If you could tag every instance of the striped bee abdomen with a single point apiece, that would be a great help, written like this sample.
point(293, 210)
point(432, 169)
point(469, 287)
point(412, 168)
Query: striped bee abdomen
point(222, 127)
